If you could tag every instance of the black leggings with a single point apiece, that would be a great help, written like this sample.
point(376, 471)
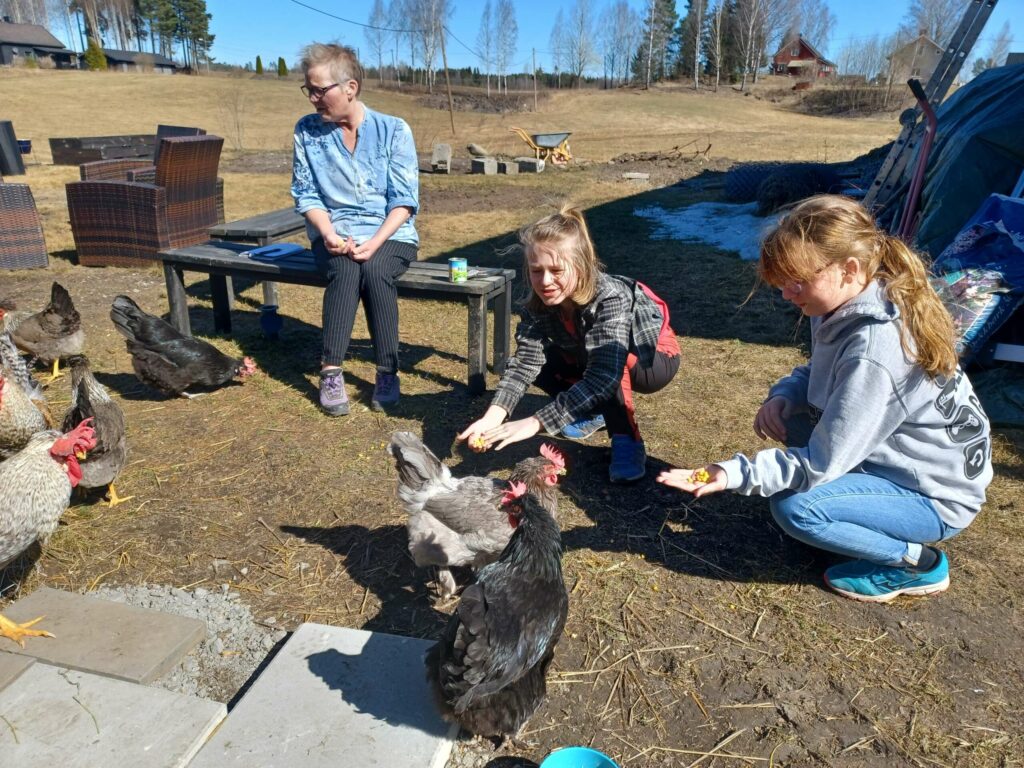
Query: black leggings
point(560, 372)
point(373, 281)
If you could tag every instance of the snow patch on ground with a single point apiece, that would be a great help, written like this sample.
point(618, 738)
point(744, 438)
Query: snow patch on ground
point(728, 226)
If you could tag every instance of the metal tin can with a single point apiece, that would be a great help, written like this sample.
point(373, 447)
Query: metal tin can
point(458, 270)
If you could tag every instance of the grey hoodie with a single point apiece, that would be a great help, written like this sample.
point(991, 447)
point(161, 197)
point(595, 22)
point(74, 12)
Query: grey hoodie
point(875, 411)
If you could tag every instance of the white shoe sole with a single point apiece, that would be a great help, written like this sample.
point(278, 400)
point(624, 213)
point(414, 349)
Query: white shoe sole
point(930, 589)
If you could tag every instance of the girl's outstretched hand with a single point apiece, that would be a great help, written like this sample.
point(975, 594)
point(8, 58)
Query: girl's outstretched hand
point(475, 433)
point(699, 482)
point(770, 421)
point(511, 432)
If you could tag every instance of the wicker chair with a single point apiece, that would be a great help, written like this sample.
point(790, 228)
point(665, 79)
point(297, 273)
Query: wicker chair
point(21, 230)
point(125, 223)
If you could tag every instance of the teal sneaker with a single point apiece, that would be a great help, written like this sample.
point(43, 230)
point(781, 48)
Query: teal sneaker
point(861, 580)
point(583, 428)
point(629, 459)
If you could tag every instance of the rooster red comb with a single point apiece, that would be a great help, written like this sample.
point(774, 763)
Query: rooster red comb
point(553, 455)
point(81, 438)
point(515, 490)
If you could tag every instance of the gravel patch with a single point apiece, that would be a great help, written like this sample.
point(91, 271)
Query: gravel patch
point(235, 645)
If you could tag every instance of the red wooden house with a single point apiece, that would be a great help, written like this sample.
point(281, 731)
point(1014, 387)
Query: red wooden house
point(798, 58)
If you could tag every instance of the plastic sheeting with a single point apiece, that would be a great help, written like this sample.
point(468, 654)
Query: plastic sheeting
point(978, 150)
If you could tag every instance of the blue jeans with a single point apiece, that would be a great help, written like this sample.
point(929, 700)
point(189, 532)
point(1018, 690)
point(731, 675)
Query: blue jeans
point(861, 516)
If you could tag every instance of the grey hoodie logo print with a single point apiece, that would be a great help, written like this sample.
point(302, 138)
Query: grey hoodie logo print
point(975, 456)
point(966, 426)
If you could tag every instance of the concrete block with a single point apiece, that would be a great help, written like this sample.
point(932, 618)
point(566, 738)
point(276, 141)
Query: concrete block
point(103, 637)
point(441, 159)
point(11, 667)
point(60, 717)
point(530, 164)
point(485, 165)
point(636, 177)
point(336, 697)
point(510, 167)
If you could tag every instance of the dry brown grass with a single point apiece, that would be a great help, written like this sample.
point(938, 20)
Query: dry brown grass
point(695, 625)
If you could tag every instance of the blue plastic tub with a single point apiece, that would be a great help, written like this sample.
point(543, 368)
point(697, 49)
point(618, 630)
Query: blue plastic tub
point(577, 757)
point(25, 146)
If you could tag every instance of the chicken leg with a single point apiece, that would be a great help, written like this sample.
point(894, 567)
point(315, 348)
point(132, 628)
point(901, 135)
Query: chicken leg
point(18, 632)
point(113, 499)
point(57, 372)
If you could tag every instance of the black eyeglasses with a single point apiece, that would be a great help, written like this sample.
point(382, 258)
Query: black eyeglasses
point(312, 92)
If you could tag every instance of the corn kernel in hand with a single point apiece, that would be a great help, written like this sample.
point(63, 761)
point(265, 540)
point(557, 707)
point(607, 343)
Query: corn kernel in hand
point(478, 443)
point(701, 476)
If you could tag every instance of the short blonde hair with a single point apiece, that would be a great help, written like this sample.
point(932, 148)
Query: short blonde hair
point(341, 60)
point(567, 234)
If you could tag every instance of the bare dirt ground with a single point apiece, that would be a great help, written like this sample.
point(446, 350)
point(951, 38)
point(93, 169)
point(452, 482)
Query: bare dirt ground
point(696, 629)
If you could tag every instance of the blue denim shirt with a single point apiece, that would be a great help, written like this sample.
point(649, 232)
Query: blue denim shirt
point(358, 189)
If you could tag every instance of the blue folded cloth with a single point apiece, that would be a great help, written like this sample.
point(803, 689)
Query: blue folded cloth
point(275, 251)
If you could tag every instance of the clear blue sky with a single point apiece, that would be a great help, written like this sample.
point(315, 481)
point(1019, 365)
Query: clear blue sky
point(275, 28)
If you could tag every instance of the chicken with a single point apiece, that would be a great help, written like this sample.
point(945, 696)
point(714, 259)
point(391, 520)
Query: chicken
point(167, 360)
point(51, 334)
point(460, 521)
point(89, 399)
point(20, 415)
point(35, 489)
point(489, 667)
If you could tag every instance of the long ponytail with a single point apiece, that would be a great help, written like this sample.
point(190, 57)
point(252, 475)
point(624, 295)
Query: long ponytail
point(925, 318)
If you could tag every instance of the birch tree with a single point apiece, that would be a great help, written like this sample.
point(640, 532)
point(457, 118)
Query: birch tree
point(716, 39)
point(816, 22)
point(556, 42)
point(377, 36)
point(619, 28)
point(936, 18)
point(485, 42)
point(506, 36)
point(580, 50)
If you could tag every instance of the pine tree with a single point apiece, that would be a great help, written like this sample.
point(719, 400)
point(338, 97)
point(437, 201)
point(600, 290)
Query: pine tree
point(259, 65)
point(282, 68)
point(94, 58)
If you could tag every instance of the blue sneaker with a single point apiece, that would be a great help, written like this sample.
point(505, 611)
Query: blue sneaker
point(385, 391)
point(584, 428)
point(629, 459)
point(333, 397)
point(861, 580)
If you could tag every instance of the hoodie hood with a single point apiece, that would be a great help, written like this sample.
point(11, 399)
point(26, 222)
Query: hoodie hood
point(870, 305)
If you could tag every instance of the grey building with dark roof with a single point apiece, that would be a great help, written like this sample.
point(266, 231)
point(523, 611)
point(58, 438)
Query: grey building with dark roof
point(137, 61)
point(20, 42)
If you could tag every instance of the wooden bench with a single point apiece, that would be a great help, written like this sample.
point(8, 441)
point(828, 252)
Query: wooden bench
point(223, 260)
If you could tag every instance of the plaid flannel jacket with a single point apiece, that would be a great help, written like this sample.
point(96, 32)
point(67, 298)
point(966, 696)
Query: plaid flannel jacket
point(621, 319)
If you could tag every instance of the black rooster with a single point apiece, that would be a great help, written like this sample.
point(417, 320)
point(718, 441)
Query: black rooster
point(169, 361)
point(488, 670)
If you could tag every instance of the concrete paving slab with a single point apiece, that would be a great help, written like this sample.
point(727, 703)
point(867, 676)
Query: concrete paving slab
point(60, 717)
point(107, 638)
point(11, 667)
point(336, 697)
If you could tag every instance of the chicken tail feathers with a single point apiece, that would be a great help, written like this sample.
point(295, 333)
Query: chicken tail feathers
point(417, 465)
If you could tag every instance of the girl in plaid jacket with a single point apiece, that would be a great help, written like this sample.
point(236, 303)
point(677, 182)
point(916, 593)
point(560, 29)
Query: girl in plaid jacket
point(589, 340)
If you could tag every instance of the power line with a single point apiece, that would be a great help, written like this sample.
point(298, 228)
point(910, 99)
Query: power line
point(357, 23)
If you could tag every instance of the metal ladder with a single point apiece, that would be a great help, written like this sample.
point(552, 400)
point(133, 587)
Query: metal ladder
point(887, 182)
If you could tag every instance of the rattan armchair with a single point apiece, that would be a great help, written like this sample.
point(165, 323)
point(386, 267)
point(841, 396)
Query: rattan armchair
point(126, 223)
point(21, 230)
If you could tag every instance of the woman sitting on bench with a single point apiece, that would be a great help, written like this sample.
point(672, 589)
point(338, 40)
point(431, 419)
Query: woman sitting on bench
point(355, 178)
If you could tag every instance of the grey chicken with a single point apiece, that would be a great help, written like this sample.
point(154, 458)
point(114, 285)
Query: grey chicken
point(489, 668)
point(54, 333)
point(169, 361)
point(90, 399)
point(35, 489)
point(23, 410)
point(461, 521)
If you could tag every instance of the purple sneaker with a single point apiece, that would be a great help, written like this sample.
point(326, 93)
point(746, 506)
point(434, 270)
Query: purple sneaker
point(385, 391)
point(333, 397)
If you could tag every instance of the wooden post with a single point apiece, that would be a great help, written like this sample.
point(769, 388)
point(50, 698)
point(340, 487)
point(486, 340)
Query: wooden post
point(534, 79)
point(448, 82)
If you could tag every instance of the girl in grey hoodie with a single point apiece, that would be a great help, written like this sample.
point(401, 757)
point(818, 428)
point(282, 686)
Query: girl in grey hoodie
point(887, 447)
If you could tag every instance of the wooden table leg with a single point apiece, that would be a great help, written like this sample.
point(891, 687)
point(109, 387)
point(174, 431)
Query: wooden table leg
point(502, 317)
point(477, 352)
point(220, 289)
point(177, 300)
